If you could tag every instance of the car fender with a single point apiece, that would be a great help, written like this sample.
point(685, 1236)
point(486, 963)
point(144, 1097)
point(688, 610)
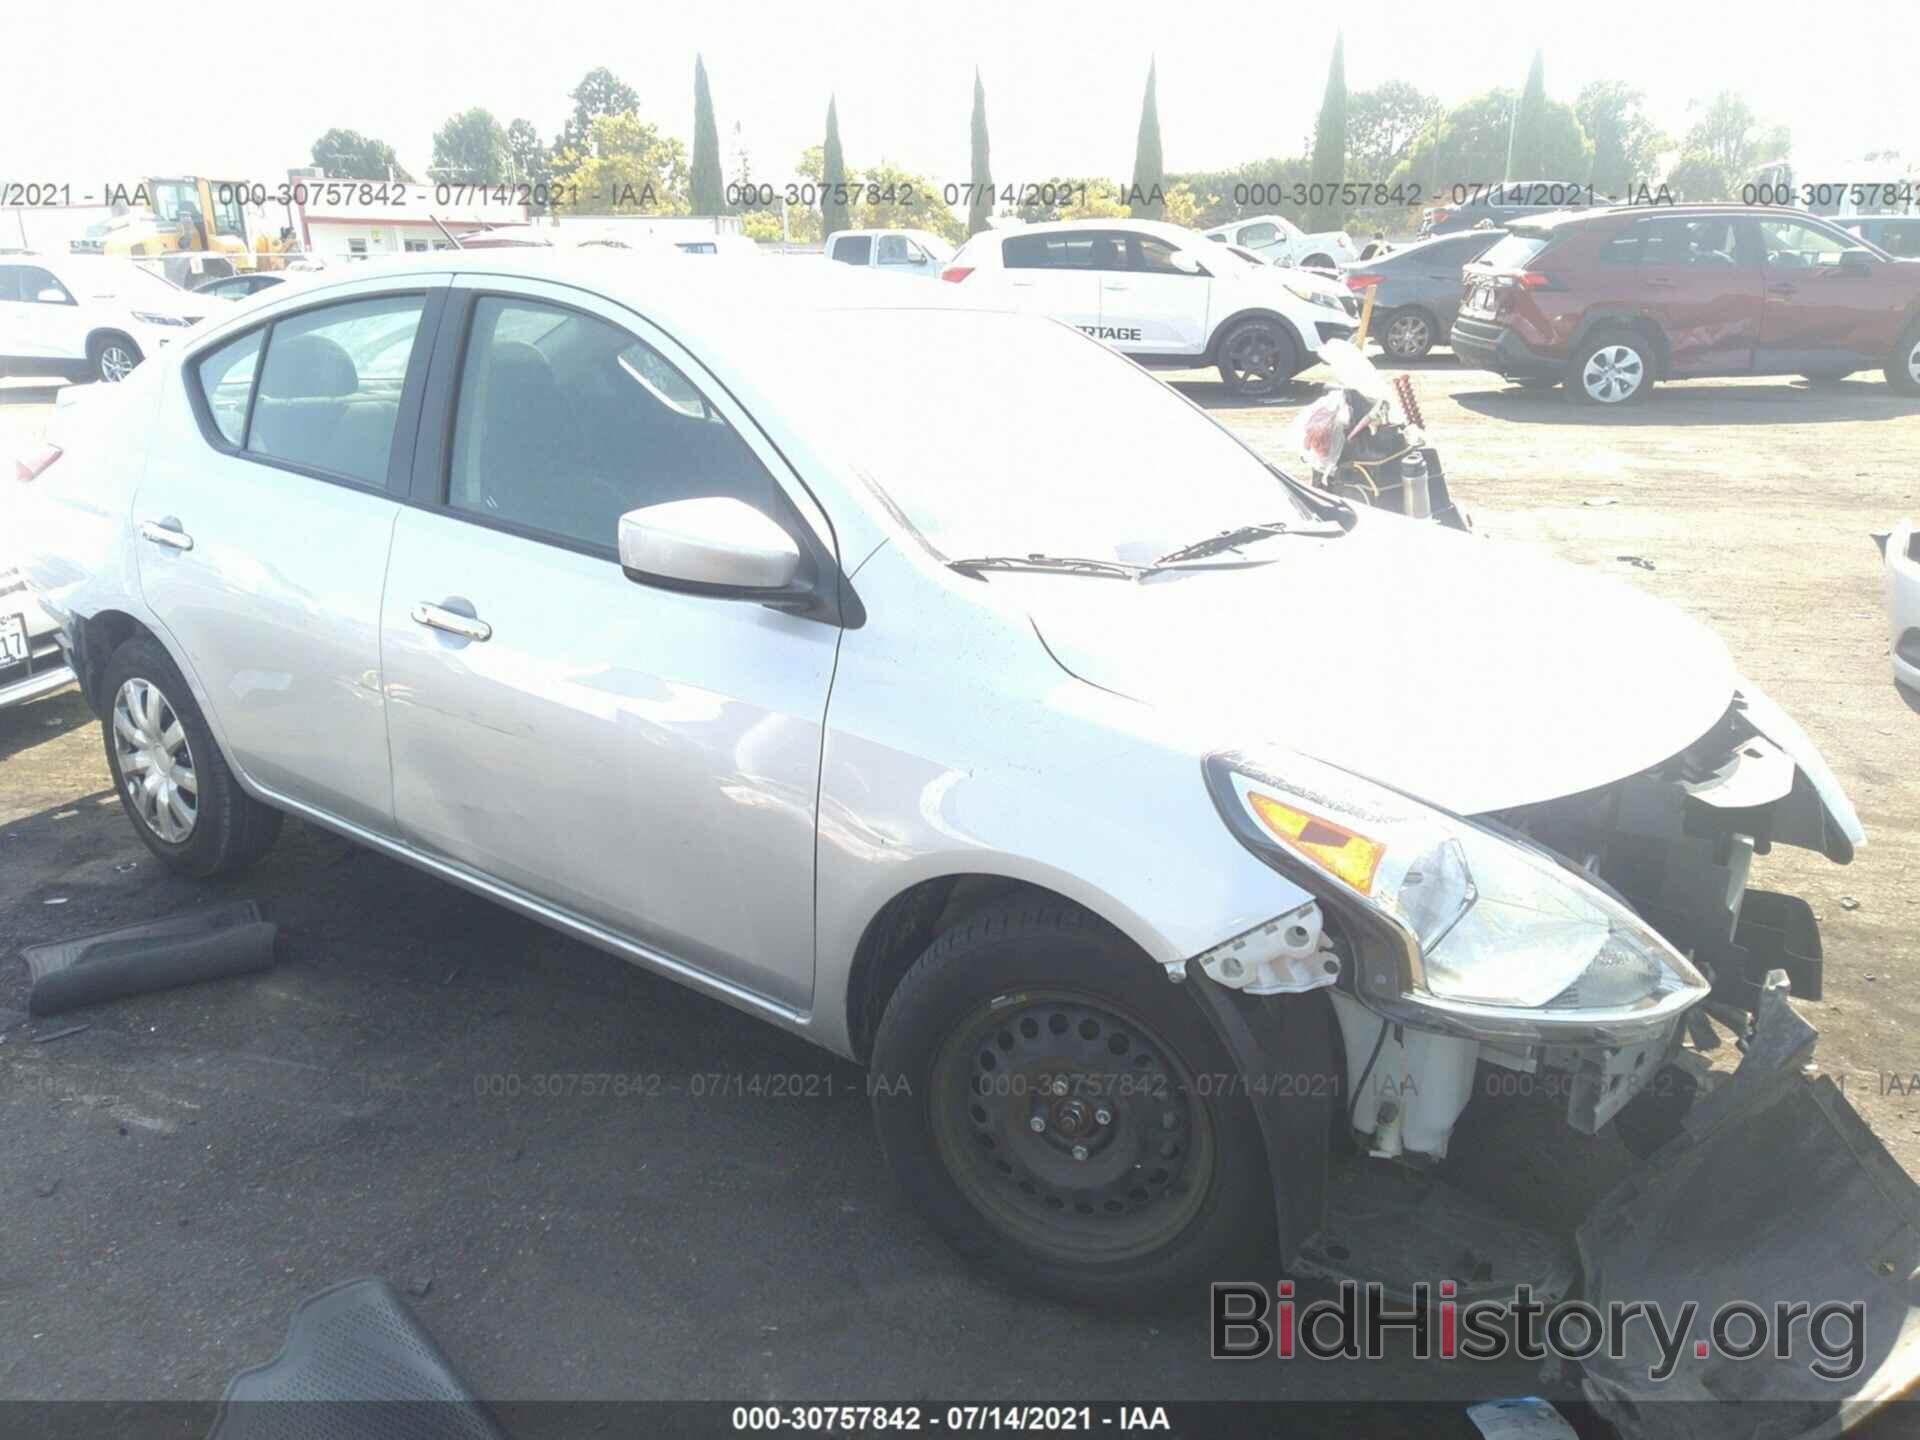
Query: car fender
point(1009, 766)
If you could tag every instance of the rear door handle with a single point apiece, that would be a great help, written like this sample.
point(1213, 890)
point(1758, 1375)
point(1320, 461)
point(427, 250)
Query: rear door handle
point(1115, 285)
point(166, 531)
point(438, 617)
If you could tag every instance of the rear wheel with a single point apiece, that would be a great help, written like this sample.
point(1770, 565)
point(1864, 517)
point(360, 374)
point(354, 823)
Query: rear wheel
point(1903, 366)
point(112, 358)
point(1258, 356)
point(1610, 368)
point(1065, 1117)
point(171, 777)
point(1408, 336)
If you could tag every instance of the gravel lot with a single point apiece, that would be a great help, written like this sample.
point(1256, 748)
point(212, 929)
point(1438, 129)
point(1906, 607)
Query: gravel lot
point(182, 1172)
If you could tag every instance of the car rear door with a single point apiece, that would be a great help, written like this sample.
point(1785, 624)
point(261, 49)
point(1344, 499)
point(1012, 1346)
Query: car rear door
point(1699, 280)
point(639, 764)
point(264, 514)
point(1149, 307)
point(1052, 273)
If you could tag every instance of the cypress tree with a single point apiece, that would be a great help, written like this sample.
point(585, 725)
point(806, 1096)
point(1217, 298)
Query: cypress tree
point(1149, 171)
point(1529, 124)
point(709, 190)
point(1329, 164)
point(834, 214)
point(980, 197)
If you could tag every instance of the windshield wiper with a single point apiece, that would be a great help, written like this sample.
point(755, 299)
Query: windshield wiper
point(1233, 539)
point(1062, 564)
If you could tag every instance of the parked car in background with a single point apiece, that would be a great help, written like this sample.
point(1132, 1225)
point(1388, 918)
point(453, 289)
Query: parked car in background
point(1901, 552)
point(1898, 235)
point(238, 287)
point(735, 245)
point(1152, 291)
point(1282, 242)
point(1497, 206)
point(1416, 290)
point(87, 316)
point(31, 660)
point(1611, 300)
point(899, 252)
point(1001, 722)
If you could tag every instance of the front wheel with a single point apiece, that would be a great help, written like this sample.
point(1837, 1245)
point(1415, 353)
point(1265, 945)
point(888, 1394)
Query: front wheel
point(1903, 366)
point(1066, 1117)
point(1258, 356)
point(113, 358)
point(173, 781)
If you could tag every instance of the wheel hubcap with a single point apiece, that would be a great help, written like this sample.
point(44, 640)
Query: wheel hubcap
point(1255, 357)
point(156, 763)
point(1612, 373)
point(116, 363)
point(1913, 363)
point(1072, 1125)
point(1407, 335)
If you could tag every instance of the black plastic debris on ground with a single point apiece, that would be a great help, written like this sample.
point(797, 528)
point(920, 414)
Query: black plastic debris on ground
point(209, 943)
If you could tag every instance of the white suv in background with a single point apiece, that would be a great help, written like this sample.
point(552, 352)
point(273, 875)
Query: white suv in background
point(1279, 241)
point(1154, 292)
point(88, 316)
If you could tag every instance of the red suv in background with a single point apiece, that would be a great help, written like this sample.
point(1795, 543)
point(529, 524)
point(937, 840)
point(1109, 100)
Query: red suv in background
point(1609, 301)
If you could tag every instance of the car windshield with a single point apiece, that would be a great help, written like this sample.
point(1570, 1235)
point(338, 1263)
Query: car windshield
point(995, 434)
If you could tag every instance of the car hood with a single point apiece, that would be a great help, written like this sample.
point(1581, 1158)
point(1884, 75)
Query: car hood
point(1473, 675)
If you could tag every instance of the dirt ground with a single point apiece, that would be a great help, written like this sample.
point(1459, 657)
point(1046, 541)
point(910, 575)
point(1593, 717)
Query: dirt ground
point(182, 1172)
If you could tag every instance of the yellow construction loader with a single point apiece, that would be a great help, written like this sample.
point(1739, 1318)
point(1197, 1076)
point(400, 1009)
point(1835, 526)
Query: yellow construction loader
point(173, 214)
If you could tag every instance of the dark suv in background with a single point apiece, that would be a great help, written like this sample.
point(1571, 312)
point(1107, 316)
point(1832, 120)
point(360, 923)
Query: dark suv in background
point(1609, 301)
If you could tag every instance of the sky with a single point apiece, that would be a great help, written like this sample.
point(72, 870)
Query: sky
point(123, 88)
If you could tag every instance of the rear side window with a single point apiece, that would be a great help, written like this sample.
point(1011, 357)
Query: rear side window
point(330, 387)
point(226, 379)
point(1074, 250)
point(1512, 251)
point(853, 249)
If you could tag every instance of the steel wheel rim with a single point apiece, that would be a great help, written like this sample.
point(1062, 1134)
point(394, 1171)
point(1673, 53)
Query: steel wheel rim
point(1613, 373)
point(1407, 335)
point(1913, 362)
point(1080, 1186)
point(1254, 356)
point(116, 363)
point(155, 760)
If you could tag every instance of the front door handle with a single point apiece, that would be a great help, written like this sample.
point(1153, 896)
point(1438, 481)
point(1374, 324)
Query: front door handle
point(1115, 285)
point(1665, 282)
point(166, 531)
point(438, 617)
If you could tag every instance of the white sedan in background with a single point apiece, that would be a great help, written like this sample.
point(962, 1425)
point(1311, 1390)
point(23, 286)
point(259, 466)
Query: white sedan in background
point(86, 317)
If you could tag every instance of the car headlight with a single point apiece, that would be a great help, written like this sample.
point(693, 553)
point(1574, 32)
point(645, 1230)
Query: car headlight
point(1467, 925)
point(1312, 297)
point(149, 317)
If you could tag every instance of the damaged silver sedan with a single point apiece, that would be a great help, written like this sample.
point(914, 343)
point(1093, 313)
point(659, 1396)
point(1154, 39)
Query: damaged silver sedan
point(1174, 842)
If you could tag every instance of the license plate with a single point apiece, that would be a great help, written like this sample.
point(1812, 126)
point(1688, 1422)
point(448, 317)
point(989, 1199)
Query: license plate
point(1480, 302)
point(13, 639)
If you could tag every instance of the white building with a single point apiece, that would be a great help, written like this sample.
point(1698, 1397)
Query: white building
point(336, 220)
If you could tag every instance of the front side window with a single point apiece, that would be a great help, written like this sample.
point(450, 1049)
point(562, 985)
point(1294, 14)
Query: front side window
point(330, 387)
point(899, 250)
point(565, 422)
point(1791, 245)
point(1902, 239)
point(1155, 257)
point(1263, 236)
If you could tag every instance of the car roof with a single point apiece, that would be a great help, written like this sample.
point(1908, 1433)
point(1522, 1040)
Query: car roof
point(1178, 234)
point(1599, 214)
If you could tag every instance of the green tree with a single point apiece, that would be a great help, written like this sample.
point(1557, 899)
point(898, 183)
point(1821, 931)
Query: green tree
point(528, 161)
point(600, 92)
point(349, 155)
point(709, 190)
point(834, 214)
point(625, 167)
point(1259, 187)
point(1147, 199)
point(1729, 134)
point(1528, 139)
point(470, 149)
point(894, 199)
point(1626, 142)
point(1330, 143)
point(1382, 124)
point(1699, 177)
point(1467, 147)
point(980, 196)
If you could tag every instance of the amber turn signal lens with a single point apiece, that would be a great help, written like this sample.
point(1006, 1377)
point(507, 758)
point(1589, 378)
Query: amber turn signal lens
point(1336, 849)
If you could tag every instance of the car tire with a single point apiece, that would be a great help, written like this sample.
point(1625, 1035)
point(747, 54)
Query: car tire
point(112, 357)
point(1258, 356)
point(1903, 366)
point(1168, 1191)
point(1413, 330)
point(172, 780)
point(1610, 367)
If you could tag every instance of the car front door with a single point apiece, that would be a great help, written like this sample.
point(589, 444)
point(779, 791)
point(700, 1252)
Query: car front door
point(1052, 273)
point(640, 764)
point(1150, 306)
point(1826, 309)
point(1700, 281)
point(264, 514)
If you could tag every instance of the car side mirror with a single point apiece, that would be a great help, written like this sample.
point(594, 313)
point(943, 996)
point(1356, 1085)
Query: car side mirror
point(1856, 262)
point(714, 545)
point(51, 296)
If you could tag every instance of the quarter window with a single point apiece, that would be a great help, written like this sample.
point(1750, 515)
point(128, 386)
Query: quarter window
point(1155, 256)
point(226, 379)
point(566, 422)
point(330, 387)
